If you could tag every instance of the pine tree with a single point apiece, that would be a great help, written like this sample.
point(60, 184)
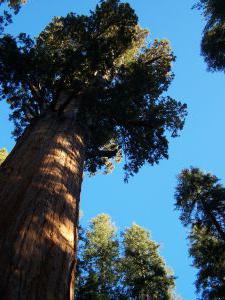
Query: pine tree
point(144, 270)
point(86, 91)
point(111, 268)
point(208, 255)
point(98, 261)
point(213, 41)
point(201, 199)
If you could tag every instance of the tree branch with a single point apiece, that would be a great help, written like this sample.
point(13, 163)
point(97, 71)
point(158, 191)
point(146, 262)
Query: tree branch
point(102, 153)
point(139, 123)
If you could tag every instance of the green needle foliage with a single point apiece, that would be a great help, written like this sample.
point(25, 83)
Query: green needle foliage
point(3, 155)
point(101, 69)
point(213, 41)
point(98, 261)
point(208, 253)
point(200, 198)
point(131, 268)
point(144, 271)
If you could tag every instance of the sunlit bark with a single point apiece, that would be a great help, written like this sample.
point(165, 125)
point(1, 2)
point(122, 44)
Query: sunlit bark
point(40, 185)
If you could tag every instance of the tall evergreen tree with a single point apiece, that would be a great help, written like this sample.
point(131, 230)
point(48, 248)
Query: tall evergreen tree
point(208, 253)
point(144, 270)
point(87, 90)
point(201, 199)
point(213, 41)
point(3, 155)
point(98, 261)
point(129, 269)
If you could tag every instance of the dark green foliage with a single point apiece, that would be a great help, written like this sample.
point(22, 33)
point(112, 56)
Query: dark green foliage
point(208, 252)
point(100, 68)
point(6, 14)
point(213, 41)
point(130, 269)
point(201, 199)
point(14, 4)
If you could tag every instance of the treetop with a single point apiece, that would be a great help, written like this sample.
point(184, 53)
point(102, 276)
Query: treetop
point(101, 67)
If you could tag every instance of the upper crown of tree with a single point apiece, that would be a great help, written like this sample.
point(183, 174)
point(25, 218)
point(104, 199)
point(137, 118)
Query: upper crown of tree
point(213, 41)
point(99, 69)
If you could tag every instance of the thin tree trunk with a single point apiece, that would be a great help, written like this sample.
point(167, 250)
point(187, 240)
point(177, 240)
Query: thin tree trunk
point(40, 185)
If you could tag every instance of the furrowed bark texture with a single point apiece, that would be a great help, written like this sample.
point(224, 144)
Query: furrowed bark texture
point(40, 185)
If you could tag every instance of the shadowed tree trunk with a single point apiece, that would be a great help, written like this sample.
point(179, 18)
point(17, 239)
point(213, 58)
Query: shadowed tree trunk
point(40, 185)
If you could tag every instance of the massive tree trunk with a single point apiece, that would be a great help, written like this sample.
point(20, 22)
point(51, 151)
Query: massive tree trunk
point(40, 185)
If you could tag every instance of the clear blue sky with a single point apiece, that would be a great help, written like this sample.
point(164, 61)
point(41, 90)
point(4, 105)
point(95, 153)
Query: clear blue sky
point(148, 198)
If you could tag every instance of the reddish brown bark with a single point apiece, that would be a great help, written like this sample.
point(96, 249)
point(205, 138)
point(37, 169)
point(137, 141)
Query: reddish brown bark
point(40, 185)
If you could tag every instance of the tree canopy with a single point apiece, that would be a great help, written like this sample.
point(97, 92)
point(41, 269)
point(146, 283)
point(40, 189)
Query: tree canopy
point(98, 260)
point(15, 4)
point(6, 11)
point(111, 268)
point(145, 272)
point(213, 41)
point(200, 198)
point(207, 251)
point(101, 69)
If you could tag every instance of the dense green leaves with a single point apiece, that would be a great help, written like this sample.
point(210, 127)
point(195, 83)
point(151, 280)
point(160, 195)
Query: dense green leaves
point(3, 155)
point(201, 200)
point(101, 67)
point(131, 268)
point(213, 41)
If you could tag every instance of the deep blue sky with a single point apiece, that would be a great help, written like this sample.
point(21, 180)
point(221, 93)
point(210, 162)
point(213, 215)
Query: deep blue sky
point(148, 198)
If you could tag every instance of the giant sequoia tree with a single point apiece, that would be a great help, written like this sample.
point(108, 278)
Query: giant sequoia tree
point(86, 91)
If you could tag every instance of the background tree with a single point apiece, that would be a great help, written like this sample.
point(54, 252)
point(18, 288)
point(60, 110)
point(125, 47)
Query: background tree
point(144, 270)
point(3, 155)
point(207, 251)
point(102, 96)
point(201, 199)
point(98, 261)
point(129, 269)
point(213, 41)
